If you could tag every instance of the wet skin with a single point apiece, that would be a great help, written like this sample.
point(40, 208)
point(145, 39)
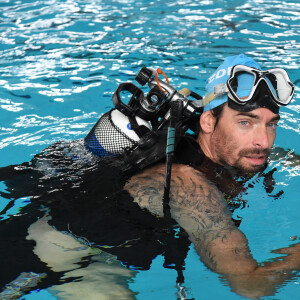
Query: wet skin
point(241, 140)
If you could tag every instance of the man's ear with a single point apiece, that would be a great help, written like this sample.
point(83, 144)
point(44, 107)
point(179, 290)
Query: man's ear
point(207, 122)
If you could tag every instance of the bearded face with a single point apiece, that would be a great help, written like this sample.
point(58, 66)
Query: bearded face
point(243, 140)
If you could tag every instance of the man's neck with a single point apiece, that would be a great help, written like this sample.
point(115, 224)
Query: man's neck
point(227, 179)
point(205, 147)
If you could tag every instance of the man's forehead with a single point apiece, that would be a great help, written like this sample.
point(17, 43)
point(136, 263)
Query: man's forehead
point(257, 113)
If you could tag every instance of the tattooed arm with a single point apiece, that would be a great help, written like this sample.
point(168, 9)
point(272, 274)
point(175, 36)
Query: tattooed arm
point(199, 208)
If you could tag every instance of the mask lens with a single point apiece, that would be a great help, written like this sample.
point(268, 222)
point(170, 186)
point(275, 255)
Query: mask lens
point(242, 84)
point(280, 86)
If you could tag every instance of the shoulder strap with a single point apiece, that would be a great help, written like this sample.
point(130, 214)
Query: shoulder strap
point(188, 151)
point(140, 130)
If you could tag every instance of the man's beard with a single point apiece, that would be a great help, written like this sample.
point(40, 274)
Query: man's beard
point(240, 167)
point(224, 147)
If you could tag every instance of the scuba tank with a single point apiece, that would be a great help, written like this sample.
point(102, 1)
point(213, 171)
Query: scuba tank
point(138, 130)
point(112, 134)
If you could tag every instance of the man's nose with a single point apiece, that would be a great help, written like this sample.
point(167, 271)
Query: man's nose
point(261, 137)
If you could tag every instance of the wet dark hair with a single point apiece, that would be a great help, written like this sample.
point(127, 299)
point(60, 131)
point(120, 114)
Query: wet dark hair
point(217, 113)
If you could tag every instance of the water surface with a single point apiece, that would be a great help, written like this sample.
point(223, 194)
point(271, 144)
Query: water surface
point(61, 61)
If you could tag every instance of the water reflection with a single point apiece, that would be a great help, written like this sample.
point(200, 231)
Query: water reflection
point(74, 53)
point(60, 62)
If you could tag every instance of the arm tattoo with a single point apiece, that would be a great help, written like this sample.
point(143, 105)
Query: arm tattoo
point(196, 204)
point(192, 196)
point(147, 191)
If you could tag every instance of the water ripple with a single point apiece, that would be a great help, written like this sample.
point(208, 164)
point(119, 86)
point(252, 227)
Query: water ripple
point(72, 52)
point(32, 129)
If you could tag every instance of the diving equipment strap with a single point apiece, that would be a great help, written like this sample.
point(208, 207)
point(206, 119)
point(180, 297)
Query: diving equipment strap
point(175, 110)
point(199, 101)
point(140, 130)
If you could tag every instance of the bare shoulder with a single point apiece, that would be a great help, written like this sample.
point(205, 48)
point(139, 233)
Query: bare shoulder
point(190, 190)
point(155, 176)
point(146, 188)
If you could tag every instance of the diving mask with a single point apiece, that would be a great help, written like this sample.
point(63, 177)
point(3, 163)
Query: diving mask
point(249, 88)
point(244, 81)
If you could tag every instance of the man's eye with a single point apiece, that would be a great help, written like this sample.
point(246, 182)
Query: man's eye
point(273, 125)
point(244, 123)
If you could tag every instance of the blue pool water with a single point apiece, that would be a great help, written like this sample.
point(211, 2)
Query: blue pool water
point(61, 61)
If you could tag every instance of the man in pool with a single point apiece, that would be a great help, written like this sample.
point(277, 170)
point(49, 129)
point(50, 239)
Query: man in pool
point(235, 139)
point(238, 128)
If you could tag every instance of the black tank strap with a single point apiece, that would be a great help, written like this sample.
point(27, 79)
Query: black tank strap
point(140, 130)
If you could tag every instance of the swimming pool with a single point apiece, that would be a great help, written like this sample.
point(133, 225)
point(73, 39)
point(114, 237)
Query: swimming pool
point(61, 61)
